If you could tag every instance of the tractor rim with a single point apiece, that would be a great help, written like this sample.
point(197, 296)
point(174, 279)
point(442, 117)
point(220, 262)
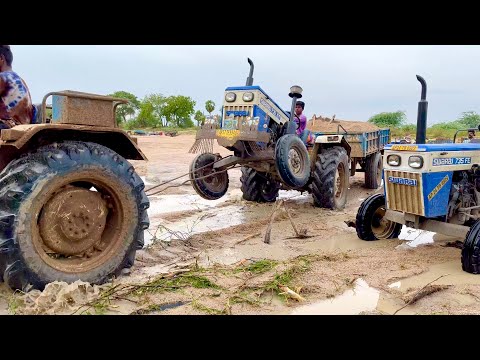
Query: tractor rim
point(81, 223)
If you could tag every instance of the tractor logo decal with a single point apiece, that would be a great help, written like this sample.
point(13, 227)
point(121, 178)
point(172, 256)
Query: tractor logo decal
point(438, 187)
point(270, 108)
point(402, 181)
point(452, 161)
point(405, 147)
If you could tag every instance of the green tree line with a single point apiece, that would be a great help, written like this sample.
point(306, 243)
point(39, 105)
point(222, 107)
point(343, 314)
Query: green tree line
point(157, 111)
point(397, 122)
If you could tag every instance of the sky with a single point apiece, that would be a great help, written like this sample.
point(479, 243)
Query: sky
point(353, 82)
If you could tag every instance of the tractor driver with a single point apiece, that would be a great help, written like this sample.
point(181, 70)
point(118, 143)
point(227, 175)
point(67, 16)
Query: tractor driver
point(15, 102)
point(301, 120)
point(471, 135)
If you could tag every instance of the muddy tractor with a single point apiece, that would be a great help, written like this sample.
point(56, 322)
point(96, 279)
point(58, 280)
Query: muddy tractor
point(434, 187)
point(71, 206)
point(263, 140)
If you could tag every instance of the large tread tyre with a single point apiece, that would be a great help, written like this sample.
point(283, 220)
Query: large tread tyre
point(212, 187)
point(331, 179)
point(257, 186)
point(30, 184)
point(292, 161)
point(471, 250)
point(369, 223)
point(373, 171)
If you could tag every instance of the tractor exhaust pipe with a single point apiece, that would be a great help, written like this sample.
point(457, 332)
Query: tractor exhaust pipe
point(250, 76)
point(295, 93)
point(422, 113)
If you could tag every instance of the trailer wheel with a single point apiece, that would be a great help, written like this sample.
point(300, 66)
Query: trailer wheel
point(55, 228)
point(330, 179)
point(373, 171)
point(370, 222)
point(292, 161)
point(208, 187)
point(471, 250)
point(257, 186)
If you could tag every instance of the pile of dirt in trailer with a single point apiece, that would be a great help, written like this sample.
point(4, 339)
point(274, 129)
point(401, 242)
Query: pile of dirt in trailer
point(325, 124)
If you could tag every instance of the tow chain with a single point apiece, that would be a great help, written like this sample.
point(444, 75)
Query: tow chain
point(147, 192)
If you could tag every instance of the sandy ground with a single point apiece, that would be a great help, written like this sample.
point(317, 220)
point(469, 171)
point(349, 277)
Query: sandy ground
point(209, 257)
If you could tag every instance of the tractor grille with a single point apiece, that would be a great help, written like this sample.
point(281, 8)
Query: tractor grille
point(241, 119)
point(405, 198)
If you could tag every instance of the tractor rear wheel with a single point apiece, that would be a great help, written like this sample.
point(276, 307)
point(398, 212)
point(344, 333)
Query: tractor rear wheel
point(258, 186)
point(471, 250)
point(69, 211)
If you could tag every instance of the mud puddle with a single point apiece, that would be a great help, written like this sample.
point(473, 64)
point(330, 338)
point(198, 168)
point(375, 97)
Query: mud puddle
point(352, 302)
point(449, 273)
point(208, 215)
point(215, 219)
point(169, 203)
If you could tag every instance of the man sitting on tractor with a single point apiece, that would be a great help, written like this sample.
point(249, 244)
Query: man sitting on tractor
point(15, 102)
point(301, 120)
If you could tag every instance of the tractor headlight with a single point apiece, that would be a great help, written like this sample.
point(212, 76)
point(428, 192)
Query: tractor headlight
point(248, 96)
point(230, 97)
point(394, 160)
point(415, 162)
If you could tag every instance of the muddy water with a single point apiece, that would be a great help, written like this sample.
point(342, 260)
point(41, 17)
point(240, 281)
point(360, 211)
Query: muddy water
point(170, 203)
point(214, 220)
point(210, 217)
point(454, 275)
point(361, 298)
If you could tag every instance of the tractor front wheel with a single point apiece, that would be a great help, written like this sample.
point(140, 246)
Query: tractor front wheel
point(207, 182)
point(292, 161)
point(371, 223)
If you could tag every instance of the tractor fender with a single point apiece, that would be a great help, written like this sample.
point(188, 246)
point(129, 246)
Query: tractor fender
point(25, 138)
point(326, 141)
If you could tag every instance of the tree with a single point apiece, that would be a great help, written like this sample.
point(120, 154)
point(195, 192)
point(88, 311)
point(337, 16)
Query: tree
point(145, 117)
point(200, 118)
point(389, 119)
point(469, 119)
point(125, 110)
point(178, 110)
point(209, 106)
point(158, 102)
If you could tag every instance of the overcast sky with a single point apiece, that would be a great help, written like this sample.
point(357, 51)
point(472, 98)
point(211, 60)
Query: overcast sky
point(353, 82)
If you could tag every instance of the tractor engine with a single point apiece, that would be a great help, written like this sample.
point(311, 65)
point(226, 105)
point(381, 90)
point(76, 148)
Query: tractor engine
point(464, 195)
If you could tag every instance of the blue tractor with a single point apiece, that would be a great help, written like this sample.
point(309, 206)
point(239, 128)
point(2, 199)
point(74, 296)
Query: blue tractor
point(262, 138)
point(434, 187)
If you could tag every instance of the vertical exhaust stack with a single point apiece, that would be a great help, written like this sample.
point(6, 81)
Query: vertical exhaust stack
point(250, 76)
point(295, 93)
point(422, 113)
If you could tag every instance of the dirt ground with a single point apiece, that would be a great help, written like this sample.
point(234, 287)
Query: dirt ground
point(209, 257)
